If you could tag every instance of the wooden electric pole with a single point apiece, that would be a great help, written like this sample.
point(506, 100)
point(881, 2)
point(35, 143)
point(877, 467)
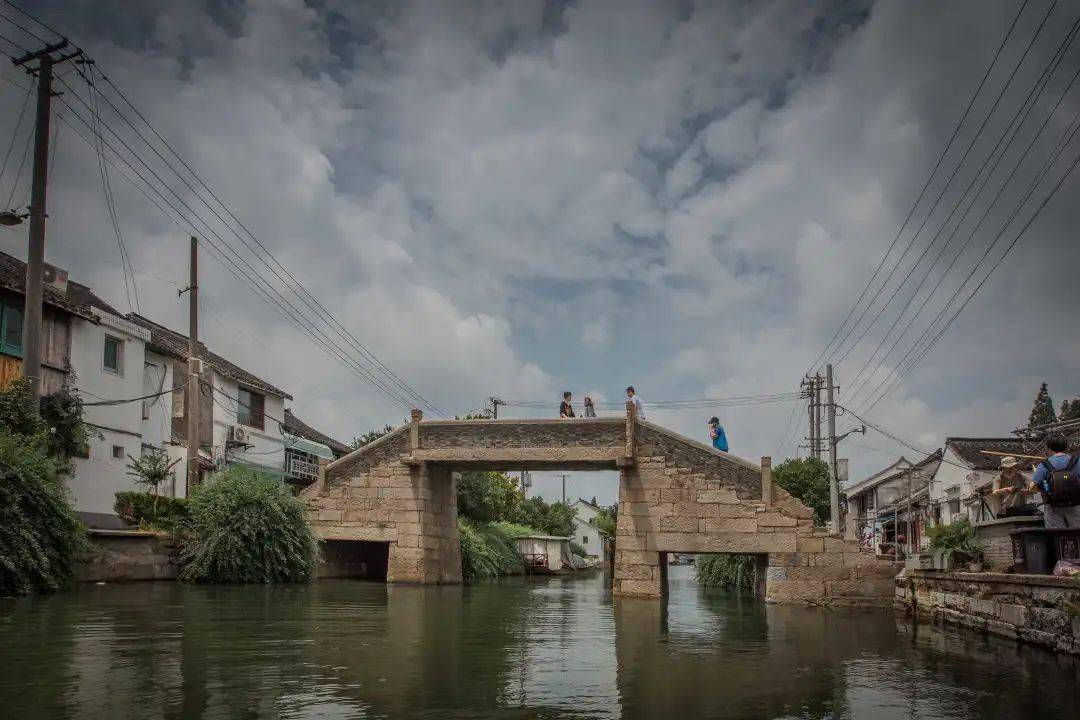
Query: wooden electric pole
point(35, 258)
point(194, 392)
point(834, 488)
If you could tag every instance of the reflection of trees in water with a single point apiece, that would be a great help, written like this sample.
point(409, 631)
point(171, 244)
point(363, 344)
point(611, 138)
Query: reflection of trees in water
point(750, 661)
point(999, 678)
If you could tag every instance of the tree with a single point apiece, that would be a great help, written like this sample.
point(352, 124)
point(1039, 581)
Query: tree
point(554, 519)
point(807, 479)
point(1043, 411)
point(369, 437)
point(486, 497)
point(1070, 410)
point(151, 470)
point(607, 519)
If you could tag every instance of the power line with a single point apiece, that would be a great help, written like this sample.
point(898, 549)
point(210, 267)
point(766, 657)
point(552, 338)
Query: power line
point(262, 289)
point(303, 293)
point(1021, 114)
point(941, 195)
point(922, 192)
point(15, 132)
point(1070, 133)
point(135, 399)
point(375, 366)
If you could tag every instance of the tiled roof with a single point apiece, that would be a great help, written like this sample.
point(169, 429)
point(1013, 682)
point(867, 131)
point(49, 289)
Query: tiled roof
point(173, 344)
point(296, 426)
point(970, 450)
point(75, 301)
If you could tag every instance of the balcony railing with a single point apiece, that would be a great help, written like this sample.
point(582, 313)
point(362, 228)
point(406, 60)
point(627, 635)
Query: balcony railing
point(298, 467)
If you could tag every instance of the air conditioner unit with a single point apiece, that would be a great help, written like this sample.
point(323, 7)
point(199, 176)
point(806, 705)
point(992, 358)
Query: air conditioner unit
point(238, 435)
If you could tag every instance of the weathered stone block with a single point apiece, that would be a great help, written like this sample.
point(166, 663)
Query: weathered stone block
point(820, 573)
point(769, 519)
point(637, 588)
point(793, 590)
point(738, 525)
point(677, 524)
point(724, 496)
point(810, 544)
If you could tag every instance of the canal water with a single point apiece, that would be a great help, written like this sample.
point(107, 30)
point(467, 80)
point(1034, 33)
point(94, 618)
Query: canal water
point(521, 648)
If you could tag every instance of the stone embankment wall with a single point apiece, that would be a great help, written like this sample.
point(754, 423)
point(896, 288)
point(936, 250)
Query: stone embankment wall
point(683, 496)
point(119, 555)
point(1039, 609)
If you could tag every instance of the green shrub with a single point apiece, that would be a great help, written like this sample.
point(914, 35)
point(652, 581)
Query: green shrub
point(487, 551)
point(956, 539)
point(39, 533)
point(144, 510)
point(247, 528)
point(578, 550)
point(729, 572)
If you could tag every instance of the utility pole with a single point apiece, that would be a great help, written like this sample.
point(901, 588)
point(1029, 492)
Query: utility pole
point(193, 390)
point(495, 403)
point(35, 258)
point(834, 489)
point(564, 487)
point(812, 394)
point(818, 380)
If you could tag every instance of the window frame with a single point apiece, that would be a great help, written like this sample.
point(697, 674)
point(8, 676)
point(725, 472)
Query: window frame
point(121, 456)
point(247, 413)
point(7, 348)
point(119, 370)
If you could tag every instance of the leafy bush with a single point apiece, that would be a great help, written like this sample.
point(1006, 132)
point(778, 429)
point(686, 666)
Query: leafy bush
point(554, 519)
point(730, 572)
point(247, 528)
point(487, 551)
point(140, 509)
point(39, 533)
point(956, 539)
point(58, 420)
point(578, 549)
point(807, 479)
point(486, 497)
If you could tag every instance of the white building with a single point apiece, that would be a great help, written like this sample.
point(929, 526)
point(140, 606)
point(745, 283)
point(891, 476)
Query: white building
point(109, 356)
point(585, 530)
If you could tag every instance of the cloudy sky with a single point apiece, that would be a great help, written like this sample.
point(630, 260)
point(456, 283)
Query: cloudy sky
point(513, 199)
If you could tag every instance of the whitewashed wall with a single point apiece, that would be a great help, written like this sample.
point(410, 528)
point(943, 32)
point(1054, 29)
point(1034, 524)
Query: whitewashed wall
point(97, 479)
point(267, 446)
point(585, 530)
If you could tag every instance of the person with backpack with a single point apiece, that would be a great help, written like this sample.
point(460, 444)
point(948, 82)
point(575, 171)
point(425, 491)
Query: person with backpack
point(1058, 479)
point(716, 435)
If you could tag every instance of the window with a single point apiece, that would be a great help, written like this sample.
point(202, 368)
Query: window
point(954, 508)
point(584, 539)
point(250, 410)
point(11, 324)
point(870, 500)
point(113, 360)
point(118, 452)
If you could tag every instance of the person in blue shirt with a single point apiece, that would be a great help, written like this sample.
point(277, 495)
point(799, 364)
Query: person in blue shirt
point(1067, 516)
point(716, 435)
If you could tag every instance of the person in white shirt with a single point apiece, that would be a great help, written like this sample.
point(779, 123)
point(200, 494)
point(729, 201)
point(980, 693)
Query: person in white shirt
point(639, 407)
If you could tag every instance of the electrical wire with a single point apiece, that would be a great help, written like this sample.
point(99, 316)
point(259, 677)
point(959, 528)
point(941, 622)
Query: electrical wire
point(941, 195)
point(1047, 73)
point(956, 131)
point(124, 401)
point(1070, 133)
point(15, 133)
point(300, 289)
point(259, 286)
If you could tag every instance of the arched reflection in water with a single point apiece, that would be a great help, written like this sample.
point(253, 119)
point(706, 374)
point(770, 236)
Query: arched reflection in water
point(514, 649)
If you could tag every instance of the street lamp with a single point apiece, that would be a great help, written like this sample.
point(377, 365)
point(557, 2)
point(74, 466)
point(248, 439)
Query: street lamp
point(10, 218)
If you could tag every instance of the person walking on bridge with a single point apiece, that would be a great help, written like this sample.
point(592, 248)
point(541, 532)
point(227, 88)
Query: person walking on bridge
point(590, 409)
point(716, 434)
point(566, 410)
point(639, 406)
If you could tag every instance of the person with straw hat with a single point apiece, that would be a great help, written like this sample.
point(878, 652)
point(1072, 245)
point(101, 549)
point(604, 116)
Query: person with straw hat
point(1011, 488)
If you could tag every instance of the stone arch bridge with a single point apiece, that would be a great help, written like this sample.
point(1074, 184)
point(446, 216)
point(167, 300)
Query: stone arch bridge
point(675, 495)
